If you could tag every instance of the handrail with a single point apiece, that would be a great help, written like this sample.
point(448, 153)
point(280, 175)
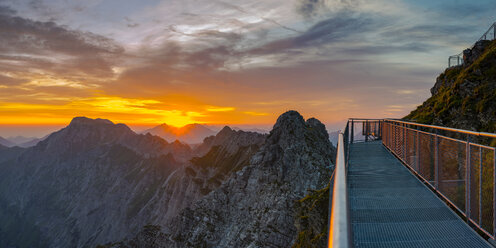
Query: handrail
point(483, 134)
point(339, 231)
point(462, 172)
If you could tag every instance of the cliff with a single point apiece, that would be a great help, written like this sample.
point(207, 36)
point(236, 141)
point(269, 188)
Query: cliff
point(464, 96)
point(258, 205)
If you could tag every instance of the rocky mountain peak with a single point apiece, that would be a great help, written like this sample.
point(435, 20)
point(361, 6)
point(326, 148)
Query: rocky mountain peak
point(226, 129)
point(292, 133)
point(230, 140)
point(289, 125)
point(82, 120)
point(85, 134)
point(254, 207)
point(83, 130)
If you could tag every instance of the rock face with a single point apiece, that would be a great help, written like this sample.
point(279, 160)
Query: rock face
point(312, 219)
point(464, 96)
point(471, 55)
point(96, 182)
point(255, 207)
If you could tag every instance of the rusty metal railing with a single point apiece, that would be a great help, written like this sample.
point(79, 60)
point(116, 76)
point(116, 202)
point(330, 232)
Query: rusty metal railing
point(453, 162)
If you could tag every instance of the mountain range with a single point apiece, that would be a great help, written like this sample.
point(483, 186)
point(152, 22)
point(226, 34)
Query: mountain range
point(99, 183)
point(20, 141)
point(191, 133)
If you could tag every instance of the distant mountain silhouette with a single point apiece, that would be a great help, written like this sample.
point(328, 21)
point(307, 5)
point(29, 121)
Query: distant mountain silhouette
point(256, 130)
point(6, 142)
point(25, 142)
point(191, 133)
point(20, 139)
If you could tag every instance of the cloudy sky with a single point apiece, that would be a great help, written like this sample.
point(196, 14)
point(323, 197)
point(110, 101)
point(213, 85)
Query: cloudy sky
point(224, 62)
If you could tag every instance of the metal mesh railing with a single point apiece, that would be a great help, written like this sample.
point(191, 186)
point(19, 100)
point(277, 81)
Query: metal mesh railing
point(463, 172)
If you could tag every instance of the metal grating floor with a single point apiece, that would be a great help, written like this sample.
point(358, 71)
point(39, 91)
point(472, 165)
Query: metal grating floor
point(389, 207)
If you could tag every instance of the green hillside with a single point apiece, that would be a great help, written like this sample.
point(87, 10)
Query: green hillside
point(464, 96)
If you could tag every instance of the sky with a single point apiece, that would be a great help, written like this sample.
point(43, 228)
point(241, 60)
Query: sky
point(224, 62)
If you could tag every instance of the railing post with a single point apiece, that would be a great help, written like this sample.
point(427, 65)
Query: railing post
point(467, 180)
point(494, 192)
point(480, 185)
point(436, 160)
point(494, 31)
point(404, 142)
point(352, 131)
point(366, 130)
point(418, 151)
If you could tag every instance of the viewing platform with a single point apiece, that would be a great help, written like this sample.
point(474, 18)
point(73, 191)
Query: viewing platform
point(390, 207)
point(412, 185)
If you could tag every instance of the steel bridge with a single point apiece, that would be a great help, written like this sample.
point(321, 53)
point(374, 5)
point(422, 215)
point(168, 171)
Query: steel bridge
point(404, 184)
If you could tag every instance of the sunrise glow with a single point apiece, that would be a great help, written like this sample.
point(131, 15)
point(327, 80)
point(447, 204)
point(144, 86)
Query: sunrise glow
point(239, 63)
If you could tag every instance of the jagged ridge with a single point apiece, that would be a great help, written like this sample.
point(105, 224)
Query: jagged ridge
point(256, 206)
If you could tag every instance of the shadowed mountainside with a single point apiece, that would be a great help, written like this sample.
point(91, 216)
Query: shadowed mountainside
point(95, 182)
point(256, 206)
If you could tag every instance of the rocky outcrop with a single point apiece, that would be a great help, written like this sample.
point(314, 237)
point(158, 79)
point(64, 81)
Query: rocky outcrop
point(255, 207)
point(472, 54)
point(230, 139)
point(464, 96)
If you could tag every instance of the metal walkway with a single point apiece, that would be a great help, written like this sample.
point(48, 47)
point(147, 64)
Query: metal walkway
point(390, 207)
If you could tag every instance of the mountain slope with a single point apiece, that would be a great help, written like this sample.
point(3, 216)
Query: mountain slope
point(191, 133)
point(88, 183)
point(256, 206)
point(6, 142)
point(20, 139)
point(31, 143)
point(464, 96)
point(95, 182)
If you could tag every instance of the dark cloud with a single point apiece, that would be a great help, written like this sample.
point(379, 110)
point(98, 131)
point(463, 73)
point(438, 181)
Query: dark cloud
point(363, 50)
point(336, 28)
point(130, 23)
point(6, 11)
point(35, 44)
point(313, 8)
point(309, 8)
point(449, 33)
